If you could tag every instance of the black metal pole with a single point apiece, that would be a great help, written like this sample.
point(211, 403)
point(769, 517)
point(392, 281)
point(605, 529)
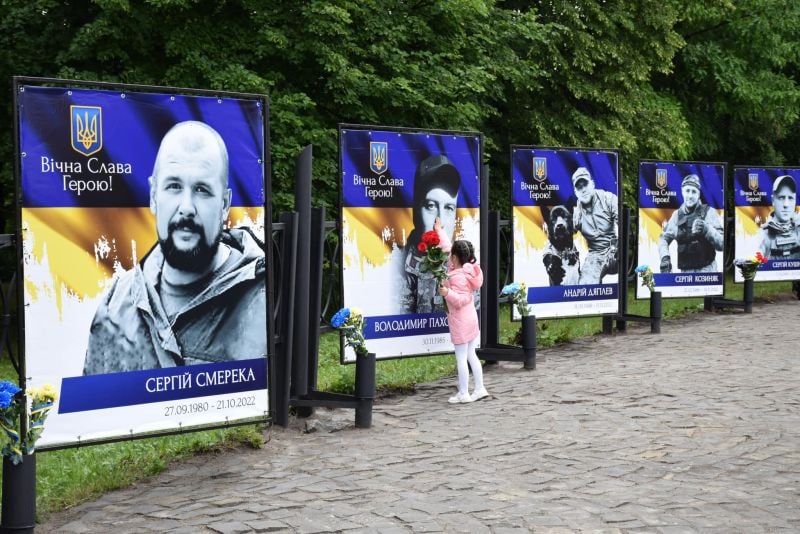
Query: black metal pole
point(708, 304)
point(19, 496)
point(285, 320)
point(529, 341)
point(365, 389)
point(492, 283)
point(22, 374)
point(302, 202)
point(622, 266)
point(608, 324)
point(748, 296)
point(655, 312)
point(484, 253)
point(315, 299)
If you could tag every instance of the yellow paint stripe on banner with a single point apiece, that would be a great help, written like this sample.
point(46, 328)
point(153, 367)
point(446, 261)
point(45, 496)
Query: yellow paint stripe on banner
point(370, 233)
point(79, 246)
point(653, 221)
point(375, 230)
point(78, 249)
point(530, 221)
point(752, 217)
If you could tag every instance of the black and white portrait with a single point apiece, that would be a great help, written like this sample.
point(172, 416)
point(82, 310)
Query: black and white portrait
point(199, 295)
point(436, 186)
point(697, 230)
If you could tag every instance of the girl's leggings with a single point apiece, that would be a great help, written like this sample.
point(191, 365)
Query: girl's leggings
point(465, 352)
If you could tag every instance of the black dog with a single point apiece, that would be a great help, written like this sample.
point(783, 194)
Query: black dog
point(560, 255)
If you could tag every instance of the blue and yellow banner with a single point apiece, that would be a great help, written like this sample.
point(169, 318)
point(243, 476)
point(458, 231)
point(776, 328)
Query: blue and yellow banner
point(132, 203)
point(395, 183)
point(686, 256)
point(565, 214)
point(767, 220)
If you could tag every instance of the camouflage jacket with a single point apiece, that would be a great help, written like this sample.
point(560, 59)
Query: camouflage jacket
point(225, 321)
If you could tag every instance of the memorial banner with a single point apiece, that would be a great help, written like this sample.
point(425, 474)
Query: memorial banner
point(145, 280)
point(395, 184)
point(565, 215)
point(682, 227)
point(767, 220)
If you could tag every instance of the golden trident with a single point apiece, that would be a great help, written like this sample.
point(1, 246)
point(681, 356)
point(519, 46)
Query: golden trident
point(86, 131)
point(379, 157)
point(539, 170)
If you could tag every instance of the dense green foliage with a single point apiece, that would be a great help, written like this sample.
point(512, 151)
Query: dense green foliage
point(712, 80)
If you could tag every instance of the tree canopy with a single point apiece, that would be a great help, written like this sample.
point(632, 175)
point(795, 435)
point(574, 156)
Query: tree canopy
point(707, 80)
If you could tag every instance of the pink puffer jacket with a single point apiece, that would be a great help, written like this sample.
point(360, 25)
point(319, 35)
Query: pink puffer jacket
point(461, 314)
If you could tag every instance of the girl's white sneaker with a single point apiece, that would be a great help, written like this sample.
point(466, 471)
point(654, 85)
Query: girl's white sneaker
point(479, 394)
point(460, 398)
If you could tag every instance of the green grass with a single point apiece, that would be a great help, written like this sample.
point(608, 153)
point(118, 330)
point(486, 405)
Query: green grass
point(71, 476)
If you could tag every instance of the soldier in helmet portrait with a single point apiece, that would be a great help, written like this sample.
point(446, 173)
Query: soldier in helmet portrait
point(780, 235)
point(436, 186)
point(697, 229)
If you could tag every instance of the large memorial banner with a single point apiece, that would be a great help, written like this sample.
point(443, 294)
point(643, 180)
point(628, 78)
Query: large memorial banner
point(767, 220)
point(395, 183)
point(682, 227)
point(565, 215)
point(145, 280)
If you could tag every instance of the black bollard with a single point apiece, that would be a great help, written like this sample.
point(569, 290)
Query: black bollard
point(365, 389)
point(529, 341)
point(748, 296)
point(655, 312)
point(608, 324)
point(19, 496)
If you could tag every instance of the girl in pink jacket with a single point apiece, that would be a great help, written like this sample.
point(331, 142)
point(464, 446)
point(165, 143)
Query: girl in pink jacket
point(464, 276)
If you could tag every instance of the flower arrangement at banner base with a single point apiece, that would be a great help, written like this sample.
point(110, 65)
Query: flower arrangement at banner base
point(646, 274)
point(11, 410)
point(435, 259)
point(350, 322)
point(750, 266)
point(518, 293)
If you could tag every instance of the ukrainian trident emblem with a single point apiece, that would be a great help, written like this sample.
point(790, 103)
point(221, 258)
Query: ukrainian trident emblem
point(752, 181)
point(540, 169)
point(661, 178)
point(86, 128)
point(378, 157)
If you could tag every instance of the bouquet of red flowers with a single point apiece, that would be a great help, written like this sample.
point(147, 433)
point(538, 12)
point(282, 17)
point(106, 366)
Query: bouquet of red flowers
point(750, 265)
point(435, 259)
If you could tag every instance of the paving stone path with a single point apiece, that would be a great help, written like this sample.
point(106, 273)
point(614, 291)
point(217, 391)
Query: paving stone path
point(693, 430)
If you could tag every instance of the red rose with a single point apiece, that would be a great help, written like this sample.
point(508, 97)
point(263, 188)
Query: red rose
point(422, 247)
point(430, 238)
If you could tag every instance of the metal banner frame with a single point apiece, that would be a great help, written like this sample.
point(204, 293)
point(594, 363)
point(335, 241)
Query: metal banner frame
point(620, 228)
point(483, 201)
point(725, 259)
point(18, 85)
point(737, 224)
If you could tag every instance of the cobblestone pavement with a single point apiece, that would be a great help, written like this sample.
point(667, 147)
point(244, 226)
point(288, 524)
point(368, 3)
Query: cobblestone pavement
point(693, 430)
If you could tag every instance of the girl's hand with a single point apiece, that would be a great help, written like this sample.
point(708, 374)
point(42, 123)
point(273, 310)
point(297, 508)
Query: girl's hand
point(437, 224)
point(443, 291)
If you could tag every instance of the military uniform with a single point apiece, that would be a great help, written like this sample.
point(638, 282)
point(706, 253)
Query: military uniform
point(226, 320)
point(598, 223)
point(781, 241)
point(696, 252)
point(421, 289)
